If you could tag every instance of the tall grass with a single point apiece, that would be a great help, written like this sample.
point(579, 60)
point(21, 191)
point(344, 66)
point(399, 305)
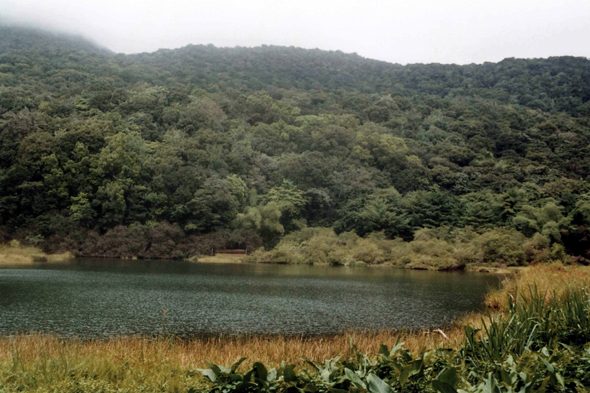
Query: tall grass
point(555, 279)
point(546, 307)
point(15, 254)
point(271, 350)
point(38, 363)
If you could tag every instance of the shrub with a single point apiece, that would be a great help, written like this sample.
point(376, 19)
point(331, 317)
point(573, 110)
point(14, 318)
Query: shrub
point(14, 243)
point(501, 245)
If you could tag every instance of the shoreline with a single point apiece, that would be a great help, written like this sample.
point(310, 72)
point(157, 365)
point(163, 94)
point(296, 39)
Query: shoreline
point(15, 256)
point(166, 363)
point(271, 349)
point(17, 260)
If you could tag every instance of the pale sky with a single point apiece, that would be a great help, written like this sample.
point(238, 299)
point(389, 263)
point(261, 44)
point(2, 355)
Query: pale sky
point(398, 31)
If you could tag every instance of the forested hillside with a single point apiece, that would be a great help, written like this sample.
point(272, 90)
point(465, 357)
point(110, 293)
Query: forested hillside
point(14, 38)
point(172, 153)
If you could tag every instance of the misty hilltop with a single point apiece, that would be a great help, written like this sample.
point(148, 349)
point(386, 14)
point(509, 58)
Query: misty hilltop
point(554, 84)
point(16, 38)
point(172, 153)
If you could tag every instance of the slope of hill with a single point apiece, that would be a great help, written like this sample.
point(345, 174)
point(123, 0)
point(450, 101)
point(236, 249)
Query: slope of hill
point(559, 84)
point(172, 153)
point(22, 38)
point(554, 84)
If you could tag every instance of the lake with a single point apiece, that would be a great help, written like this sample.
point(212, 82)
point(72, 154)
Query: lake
point(100, 298)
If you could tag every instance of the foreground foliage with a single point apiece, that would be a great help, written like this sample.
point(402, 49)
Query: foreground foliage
point(537, 346)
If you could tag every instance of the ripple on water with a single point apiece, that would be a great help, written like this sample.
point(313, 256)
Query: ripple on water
point(90, 298)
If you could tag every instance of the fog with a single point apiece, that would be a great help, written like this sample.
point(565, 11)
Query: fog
point(399, 31)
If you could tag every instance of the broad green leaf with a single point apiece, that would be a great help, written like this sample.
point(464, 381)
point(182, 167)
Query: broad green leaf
point(449, 376)
point(377, 385)
point(260, 370)
point(289, 374)
point(443, 387)
point(491, 385)
point(209, 374)
point(214, 367)
point(505, 377)
point(244, 386)
point(334, 390)
point(560, 379)
point(548, 365)
point(236, 377)
point(405, 374)
point(417, 367)
point(311, 364)
point(396, 348)
point(235, 366)
point(354, 378)
point(248, 376)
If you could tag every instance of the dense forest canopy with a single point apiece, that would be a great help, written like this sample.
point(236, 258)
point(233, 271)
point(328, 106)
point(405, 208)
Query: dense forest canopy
point(171, 153)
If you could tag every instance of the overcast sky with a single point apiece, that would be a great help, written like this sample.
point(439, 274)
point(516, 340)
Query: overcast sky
point(399, 31)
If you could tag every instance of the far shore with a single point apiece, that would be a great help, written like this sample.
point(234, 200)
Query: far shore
point(15, 255)
point(224, 258)
point(230, 259)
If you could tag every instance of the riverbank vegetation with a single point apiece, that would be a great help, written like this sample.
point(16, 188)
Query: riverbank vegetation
point(13, 254)
point(174, 153)
point(218, 259)
point(435, 249)
point(534, 340)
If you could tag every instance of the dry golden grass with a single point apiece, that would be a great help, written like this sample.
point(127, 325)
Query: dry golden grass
point(22, 255)
point(224, 350)
point(37, 363)
point(550, 280)
point(218, 259)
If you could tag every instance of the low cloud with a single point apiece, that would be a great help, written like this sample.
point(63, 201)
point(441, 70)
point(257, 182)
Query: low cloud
point(449, 31)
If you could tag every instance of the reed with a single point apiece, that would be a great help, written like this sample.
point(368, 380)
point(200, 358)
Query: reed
point(271, 350)
point(549, 280)
point(39, 363)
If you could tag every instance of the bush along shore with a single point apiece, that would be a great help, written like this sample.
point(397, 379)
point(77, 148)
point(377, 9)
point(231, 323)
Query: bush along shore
point(534, 340)
point(442, 248)
point(433, 249)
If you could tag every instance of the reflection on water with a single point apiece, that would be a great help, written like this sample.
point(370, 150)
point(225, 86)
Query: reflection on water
point(99, 297)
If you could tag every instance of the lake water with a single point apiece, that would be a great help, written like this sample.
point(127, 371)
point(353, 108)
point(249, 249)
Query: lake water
point(100, 298)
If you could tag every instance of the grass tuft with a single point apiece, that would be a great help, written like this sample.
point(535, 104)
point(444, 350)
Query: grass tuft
point(17, 255)
point(555, 279)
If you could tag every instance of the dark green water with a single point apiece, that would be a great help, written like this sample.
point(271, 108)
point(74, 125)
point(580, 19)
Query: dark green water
point(99, 298)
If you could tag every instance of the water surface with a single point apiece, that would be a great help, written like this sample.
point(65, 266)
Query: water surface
point(100, 298)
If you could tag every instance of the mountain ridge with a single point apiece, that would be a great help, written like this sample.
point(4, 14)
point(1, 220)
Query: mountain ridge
point(17, 37)
point(155, 155)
